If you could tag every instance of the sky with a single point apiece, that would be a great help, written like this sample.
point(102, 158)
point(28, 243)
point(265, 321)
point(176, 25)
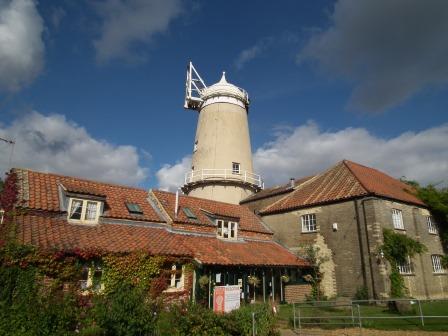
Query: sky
point(95, 89)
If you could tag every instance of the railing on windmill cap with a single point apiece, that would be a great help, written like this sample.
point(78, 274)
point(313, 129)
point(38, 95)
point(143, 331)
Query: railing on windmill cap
point(196, 90)
point(224, 174)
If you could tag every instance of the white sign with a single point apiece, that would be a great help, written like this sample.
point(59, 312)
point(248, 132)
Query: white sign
point(226, 298)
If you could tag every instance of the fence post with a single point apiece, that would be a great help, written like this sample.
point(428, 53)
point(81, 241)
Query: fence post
point(253, 324)
point(359, 319)
point(294, 309)
point(300, 323)
point(421, 313)
point(353, 317)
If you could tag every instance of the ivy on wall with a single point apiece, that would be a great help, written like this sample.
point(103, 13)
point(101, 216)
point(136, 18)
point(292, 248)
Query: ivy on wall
point(397, 248)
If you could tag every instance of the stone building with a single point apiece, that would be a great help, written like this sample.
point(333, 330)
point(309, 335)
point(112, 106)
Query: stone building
point(343, 212)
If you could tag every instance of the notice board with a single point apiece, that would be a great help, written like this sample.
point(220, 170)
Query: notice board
point(226, 298)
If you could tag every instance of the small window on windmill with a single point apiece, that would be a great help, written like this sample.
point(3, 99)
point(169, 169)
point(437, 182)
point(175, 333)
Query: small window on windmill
point(189, 213)
point(134, 208)
point(195, 147)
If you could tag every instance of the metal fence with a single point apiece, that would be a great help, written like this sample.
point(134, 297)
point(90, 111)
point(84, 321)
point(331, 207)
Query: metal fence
point(353, 314)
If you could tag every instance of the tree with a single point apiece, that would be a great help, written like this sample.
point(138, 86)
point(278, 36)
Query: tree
point(437, 201)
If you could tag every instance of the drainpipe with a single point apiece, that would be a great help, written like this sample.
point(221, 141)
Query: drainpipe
point(361, 247)
point(368, 243)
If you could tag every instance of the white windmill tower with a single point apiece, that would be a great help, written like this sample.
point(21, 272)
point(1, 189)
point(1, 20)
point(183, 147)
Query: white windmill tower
point(222, 157)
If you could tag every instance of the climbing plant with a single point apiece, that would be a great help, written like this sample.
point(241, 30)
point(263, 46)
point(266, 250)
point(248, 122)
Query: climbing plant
point(397, 248)
point(316, 259)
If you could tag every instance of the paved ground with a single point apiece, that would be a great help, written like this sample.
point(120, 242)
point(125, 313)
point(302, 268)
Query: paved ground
point(356, 332)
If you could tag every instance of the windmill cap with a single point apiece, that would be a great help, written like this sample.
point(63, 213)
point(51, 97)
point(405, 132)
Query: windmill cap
point(224, 88)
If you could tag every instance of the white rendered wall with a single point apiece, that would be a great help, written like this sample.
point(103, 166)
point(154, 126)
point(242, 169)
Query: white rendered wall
point(222, 137)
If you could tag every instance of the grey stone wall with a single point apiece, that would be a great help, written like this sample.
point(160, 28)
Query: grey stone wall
point(344, 265)
point(353, 249)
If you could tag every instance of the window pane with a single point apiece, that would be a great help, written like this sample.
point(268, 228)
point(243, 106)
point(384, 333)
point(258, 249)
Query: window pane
point(91, 211)
point(75, 211)
point(235, 168)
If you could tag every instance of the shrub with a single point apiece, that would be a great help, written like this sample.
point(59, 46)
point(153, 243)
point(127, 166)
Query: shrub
point(197, 320)
point(361, 293)
point(125, 311)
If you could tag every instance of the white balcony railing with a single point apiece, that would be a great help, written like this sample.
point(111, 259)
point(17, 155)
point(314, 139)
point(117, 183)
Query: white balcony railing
point(223, 174)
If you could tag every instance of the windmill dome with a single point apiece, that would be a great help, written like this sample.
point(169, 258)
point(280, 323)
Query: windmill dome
point(225, 89)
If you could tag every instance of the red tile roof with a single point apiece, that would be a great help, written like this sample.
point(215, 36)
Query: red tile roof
point(45, 224)
point(48, 232)
point(39, 191)
point(56, 233)
point(213, 251)
point(274, 191)
point(345, 180)
point(248, 221)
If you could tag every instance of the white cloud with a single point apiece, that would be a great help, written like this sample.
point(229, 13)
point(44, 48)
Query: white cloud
point(126, 24)
point(390, 49)
point(21, 45)
point(249, 54)
point(53, 144)
point(171, 177)
point(306, 150)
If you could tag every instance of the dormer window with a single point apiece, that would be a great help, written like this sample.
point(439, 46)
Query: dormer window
point(83, 211)
point(227, 229)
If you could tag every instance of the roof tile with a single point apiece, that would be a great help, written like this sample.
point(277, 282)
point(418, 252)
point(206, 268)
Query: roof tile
point(345, 180)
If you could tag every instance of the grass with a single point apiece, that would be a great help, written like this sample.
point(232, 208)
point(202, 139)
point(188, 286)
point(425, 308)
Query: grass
point(322, 315)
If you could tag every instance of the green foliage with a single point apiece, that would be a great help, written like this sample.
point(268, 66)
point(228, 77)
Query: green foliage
point(316, 259)
point(437, 201)
point(361, 293)
point(397, 287)
point(27, 308)
point(197, 320)
point(396, 248)
point(135, 268)
point(125, 311)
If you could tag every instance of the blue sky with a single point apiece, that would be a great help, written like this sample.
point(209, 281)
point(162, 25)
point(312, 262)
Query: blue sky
point(95, 88)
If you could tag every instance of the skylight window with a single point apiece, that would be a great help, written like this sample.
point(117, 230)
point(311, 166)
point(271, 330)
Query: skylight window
point(189, 213)
point(134, 208)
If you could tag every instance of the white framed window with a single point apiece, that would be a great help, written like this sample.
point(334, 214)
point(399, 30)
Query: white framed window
point(405, 267)
point(432, 228)
point(195, 147)
point(83, 211)
point(309, 223)
point(397, 219)
point(227, 229)
point(177, 276)
point(236, 168)
point(91, 277)
point(437, 264)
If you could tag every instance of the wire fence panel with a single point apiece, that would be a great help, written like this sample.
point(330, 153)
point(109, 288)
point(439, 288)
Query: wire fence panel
point(371, 313)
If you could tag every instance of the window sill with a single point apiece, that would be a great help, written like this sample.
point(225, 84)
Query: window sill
point(439, 273)
point(399, 229)
point(79, 222)
point(407, 274)
point(433, 233)
point(173, 290)
point(307, 232)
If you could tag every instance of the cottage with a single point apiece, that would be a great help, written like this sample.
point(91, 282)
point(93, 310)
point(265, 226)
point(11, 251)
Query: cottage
point(224, 243)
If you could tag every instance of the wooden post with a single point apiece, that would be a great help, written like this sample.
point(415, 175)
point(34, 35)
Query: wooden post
point(264, 287)
point(273, 286)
